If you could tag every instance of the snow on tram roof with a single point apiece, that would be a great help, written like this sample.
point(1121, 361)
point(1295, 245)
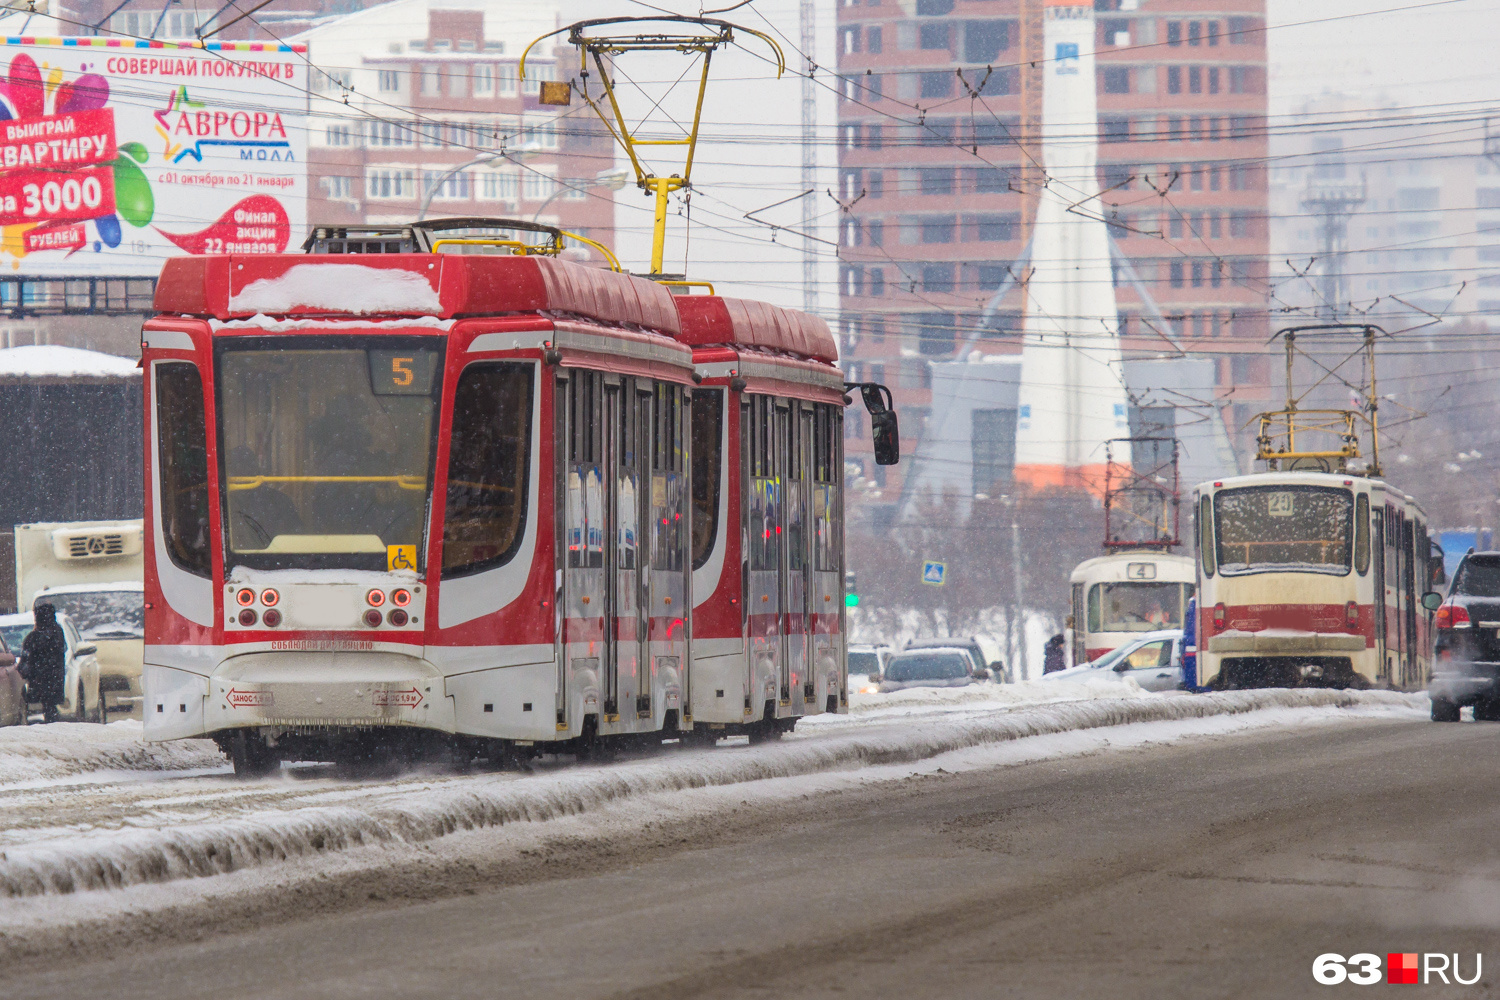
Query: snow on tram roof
point(54, 361)
point(442, 285)
point(713, 319)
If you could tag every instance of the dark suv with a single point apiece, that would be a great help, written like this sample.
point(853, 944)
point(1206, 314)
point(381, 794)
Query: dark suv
point(1466, 661)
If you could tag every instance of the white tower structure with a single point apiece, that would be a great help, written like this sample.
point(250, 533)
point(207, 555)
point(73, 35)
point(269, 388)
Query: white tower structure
point(1072, 393)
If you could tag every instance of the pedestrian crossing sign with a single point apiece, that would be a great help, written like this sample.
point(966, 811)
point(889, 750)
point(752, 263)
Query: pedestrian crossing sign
point(934, 572)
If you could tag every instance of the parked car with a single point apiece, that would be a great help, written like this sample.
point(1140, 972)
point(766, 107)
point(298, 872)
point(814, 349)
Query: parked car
point(971, 645)
point(1153, 660)
point(934, 666)
point(111, 617)
point(12, 689)
point(869, 659)
point(1466, 660)
point(81, 701)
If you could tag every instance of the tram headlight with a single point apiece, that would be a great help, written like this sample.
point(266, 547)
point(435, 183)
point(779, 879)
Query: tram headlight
point(269, 598)
point(375, 598)
point(396, 617)
point(401, 598)
point(373, 617)
point(271, 618)
point(247, 617)
point(245, 597)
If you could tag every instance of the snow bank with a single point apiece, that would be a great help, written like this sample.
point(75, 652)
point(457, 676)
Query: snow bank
point(97, 859)
point(53, 361)
point(30, 753)
point(355, 288)
point(989, 695)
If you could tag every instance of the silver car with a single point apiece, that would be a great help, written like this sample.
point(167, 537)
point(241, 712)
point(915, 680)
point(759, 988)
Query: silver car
point(931, 667)
point(1152, 659)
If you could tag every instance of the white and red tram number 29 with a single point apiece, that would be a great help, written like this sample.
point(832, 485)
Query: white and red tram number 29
point(526, 502)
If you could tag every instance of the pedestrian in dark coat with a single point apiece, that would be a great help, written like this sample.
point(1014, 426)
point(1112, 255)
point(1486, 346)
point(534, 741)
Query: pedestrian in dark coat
point(1053, 657)
point(44, 661)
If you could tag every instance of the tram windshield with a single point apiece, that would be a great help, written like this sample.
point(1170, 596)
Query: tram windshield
point(326, 448)
point(1137, 607)
point(1296, 529)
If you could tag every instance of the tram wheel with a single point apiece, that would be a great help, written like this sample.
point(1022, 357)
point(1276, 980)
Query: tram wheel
point(251, 757)
point(1445, 711)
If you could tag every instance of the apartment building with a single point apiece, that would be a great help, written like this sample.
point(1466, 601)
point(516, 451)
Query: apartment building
point(419, 105)
point(936, 161)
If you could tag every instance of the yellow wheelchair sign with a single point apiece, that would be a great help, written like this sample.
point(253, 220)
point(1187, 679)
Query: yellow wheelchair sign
point(400, 557)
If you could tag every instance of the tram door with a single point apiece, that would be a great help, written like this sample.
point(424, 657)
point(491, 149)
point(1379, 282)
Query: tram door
point(585, 660)
point(1377, 561)
point(797, 683)
point(1409, 591)
point(631, 446)
point(667, 599)
point(763, 503)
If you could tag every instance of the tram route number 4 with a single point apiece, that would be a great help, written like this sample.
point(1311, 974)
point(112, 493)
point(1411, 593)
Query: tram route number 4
point(934, 573)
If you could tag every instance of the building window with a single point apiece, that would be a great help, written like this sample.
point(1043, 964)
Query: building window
point(390, 81)
point(934, 8)
point(1195, 79)
point(337, 187)
point(431, 133)
point(991, 180)
point(1175, 270)
point(1195, 33)
point(873, 41)
point(325, 81)
point(538, 186)
point(853, 281)
point(937, 277)
point(387, 182)
point(1238, 26)
point(458, 81)
point(875, 184)
point(938, 84)
point(935, 35)
point(499, 186)
point(934, 334)
point(877, 281)
point(484, 80)
point(1174, 79)
point(984, 40)
point(994, 446)
point(432, 81)
point(1197, 272)
point(384, 133)
point(1116, 79)
point(875, 232)
point(1213, 33)
point(505, 75)
point(543, 72)
point(996, 228)
point(1174, 33)
point(938, 229)
point(338, 135)
point(1114, 129)
point(850, 40)
point(873, 136)
point(453, 187)
point(937, 180)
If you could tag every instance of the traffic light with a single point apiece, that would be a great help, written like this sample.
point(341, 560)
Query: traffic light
point(851, 592)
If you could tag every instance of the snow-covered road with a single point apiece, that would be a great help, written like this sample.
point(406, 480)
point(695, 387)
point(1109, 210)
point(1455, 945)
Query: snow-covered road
point(88, 807)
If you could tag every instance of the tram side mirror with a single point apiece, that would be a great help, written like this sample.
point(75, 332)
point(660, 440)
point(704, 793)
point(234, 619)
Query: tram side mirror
point(885, 435)
point(1432, 600)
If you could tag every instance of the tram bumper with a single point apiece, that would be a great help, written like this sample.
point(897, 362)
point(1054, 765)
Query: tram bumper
point(1464, 682)
point(1285, 642)
point(317, 689)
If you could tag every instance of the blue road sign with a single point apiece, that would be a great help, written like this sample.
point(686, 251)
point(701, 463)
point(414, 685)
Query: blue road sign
point(934, 572)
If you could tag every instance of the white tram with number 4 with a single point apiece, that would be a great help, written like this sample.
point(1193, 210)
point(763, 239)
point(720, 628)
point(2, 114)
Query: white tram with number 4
point(1118, 596)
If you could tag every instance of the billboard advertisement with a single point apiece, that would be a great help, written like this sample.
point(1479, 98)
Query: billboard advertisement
point(116, 154)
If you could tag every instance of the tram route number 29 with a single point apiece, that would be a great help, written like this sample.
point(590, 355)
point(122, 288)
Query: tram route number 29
point(402, 373)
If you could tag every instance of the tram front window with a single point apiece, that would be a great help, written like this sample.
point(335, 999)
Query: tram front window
point(1136, 607)
point(326, 449)
point(1287, 529)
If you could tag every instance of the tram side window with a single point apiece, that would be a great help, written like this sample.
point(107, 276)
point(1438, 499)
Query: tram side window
point(827, 505)
point(183, 461)
point(1206, 534)
point(708, 459)
point(488, 467)
point(667, 534)
point(1362, 533)
point(765, 500)
point(585, 483)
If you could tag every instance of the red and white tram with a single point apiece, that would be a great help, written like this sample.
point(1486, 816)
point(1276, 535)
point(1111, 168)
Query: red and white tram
point(1311, 579)
point(1122, 594)
point(477, 502)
